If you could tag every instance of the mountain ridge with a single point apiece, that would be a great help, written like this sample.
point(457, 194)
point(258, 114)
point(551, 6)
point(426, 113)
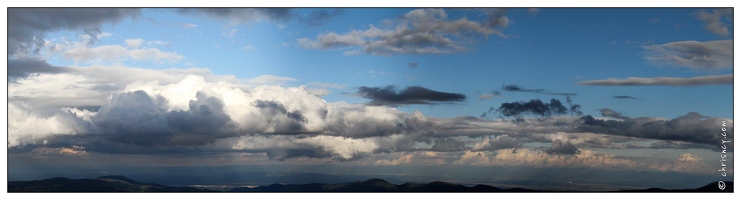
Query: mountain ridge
point(118, 183)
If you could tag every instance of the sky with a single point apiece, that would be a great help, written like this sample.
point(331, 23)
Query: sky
point(630, 90)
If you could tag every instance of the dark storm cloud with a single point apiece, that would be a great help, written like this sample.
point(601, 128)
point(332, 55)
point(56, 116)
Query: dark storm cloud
point(136, 118)
point(274, 107)
point(558, 147)
point(448, 144)
point(410, 95)
point(413, 65)
point(691, 127)
point(133, 113)
point(20, 68)
point(206, 114)
point(28, 26)
point(573, 108)
point(606, 112)
point(534, 107)
point(624, 97)
point(664, 81)
point(275, 15)
point(517, 88)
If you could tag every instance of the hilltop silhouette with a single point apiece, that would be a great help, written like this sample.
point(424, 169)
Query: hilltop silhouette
point(124, 184)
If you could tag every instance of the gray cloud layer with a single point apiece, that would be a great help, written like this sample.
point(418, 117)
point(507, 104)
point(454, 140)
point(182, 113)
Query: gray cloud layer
point(410, 95)
point(624, 97)
point(691, 127)
point(448, 144)
point(275, 15)
point(31, 24)
point(664, 81)
point(717, 54)
point(534, 107)
point(606, 112)
point(558, 147)
point(714, 21)
point(287, 123)
point(500, 142)
point(421, 31)
point(19, 68)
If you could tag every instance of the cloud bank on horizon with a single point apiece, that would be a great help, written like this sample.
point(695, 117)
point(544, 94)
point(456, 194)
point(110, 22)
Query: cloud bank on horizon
point(112, 92)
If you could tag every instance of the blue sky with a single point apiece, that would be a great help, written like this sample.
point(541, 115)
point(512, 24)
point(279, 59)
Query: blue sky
point(552, 49)
point(300, 85)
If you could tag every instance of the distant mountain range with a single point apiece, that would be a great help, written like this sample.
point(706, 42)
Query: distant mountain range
point(100, 184)
point(123, 184)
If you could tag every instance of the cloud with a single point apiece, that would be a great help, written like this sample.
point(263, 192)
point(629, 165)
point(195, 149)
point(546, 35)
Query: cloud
point(573, 108)
point(281, 147)
point(270, 79)
point(533, 10)
point(375, 73)
point(27, 126)
point(606, 112)
point(664, 81)
point(116, 53)
point(686, 163)
point(248, 47)
point(447, 144)
point(516, 88)
point(274, 107)
point(241, 15)
point(486, 96)
point(531, 158)
point(714, 21)
point(30, 25)
point(624, 97)
point(230, 34)
point(500, 142)
point(691, 127)
point(204, 114)
point(533, 107)
point(133, 43)
point(321, 17)
point(559, 147)
point(403, 159)
point(567, 141)
point(410, 95)
point(157, 42)
point(413, 65)
point(654, 20)
point(63, 151)
point(716, 54)
point(19, 68)
point(278, 16)
point(187, 25)
point(420, 31)
point(326, 85)
point(132, 49)
point(416, 158)
point(189, 111)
